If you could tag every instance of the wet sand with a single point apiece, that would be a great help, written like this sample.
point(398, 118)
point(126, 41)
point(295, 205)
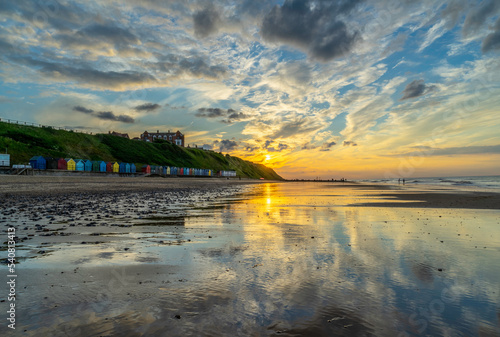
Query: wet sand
point(45, 185)
point(188, 257)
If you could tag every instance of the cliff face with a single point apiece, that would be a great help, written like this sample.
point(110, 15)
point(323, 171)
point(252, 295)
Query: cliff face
point(24, 142)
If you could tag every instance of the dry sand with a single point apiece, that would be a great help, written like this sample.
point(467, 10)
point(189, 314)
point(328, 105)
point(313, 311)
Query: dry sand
point(44, 185)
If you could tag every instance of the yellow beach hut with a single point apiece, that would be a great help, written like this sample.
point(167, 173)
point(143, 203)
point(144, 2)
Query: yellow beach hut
point(70, 164)
point(116, 167)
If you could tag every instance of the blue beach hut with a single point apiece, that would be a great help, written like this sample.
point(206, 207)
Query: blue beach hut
point(122, 168)
point(102, 166)
point(38, 162)
point(133, 168)
point(127, 168)
point(87, 165)
point(80, 165)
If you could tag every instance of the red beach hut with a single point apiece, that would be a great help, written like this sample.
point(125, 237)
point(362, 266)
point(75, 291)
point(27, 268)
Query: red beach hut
point(109, 167)
point(61, 164)
point(146, 169)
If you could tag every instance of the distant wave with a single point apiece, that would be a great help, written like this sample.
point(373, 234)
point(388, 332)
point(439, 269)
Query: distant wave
point(463, 182)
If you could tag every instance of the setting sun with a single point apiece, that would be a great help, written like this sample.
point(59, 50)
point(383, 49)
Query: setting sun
point(268, 157)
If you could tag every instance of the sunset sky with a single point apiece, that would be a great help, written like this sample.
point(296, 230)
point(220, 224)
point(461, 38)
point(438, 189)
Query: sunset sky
point(330, 89)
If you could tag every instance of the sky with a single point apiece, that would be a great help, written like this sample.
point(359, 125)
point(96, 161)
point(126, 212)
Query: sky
point(312, 88)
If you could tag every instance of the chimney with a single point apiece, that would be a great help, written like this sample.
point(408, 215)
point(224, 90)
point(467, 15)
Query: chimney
point(157, 131)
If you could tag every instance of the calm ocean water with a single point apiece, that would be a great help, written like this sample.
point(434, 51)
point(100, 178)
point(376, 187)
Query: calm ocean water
point(482, 182)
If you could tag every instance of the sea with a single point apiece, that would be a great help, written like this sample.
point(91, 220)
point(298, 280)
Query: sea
point(488, 182)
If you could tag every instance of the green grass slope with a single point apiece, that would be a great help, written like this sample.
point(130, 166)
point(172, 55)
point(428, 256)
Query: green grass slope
point(24, 142)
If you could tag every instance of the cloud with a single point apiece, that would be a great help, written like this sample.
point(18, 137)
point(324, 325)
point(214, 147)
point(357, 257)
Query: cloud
point(83, 109)
point(99, 35)
point(230, 114)
point(147, 107)
point(478, 17)
point(294, 128)
point(327, 146)
point(85, 74)
point(206, 22)
point(279, 148)
point(108, 115)
point(449, 151)
point(308, 146)
point(313, 26)
point(416, 88)
point(492, 41)
point(212, 112)
point(174, 66)
point(226, 145)
point(105, 115)
point(349, 143)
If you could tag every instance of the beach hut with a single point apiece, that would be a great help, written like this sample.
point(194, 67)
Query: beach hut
point(87, 165)
point(167, 170)
point(61, 164)
point(122, 168)
point(95, 166)
point(80, 165)
point(70, 164)
point(50, 163)
point(38, 162)
point(127, 168)
point(160, 170)
point(146, 169)
point(133, 168)
point(102, 166)
point(116, 167)
point(109, 167)
point(182, 171)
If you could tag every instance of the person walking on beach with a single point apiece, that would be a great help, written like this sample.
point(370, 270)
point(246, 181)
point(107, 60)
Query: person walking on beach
point(399, 181)
point(403, 181)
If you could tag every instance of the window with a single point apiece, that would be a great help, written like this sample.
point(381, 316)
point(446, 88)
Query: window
point(178, 142)
point(170, 137)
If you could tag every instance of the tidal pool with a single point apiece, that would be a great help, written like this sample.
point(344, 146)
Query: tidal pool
point(280, 259)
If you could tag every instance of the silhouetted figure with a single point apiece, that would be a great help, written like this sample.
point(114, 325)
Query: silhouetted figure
point(403, 181)
point(399, 181)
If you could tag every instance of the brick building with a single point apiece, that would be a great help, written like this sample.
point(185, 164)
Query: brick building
point(176, 138)
point(124, 135)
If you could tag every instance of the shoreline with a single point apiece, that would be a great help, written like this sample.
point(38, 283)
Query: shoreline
point(388, 195)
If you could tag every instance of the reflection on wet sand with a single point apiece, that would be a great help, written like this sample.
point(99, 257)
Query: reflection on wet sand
point(284, 259)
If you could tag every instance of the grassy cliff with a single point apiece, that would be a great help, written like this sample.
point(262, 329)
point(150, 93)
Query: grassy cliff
point(23, 142)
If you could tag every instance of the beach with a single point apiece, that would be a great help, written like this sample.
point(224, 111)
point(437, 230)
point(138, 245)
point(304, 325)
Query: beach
point(217, 257)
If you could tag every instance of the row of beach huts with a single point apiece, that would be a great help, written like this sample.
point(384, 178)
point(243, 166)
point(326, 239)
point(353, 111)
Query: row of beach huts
point(70, 164)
